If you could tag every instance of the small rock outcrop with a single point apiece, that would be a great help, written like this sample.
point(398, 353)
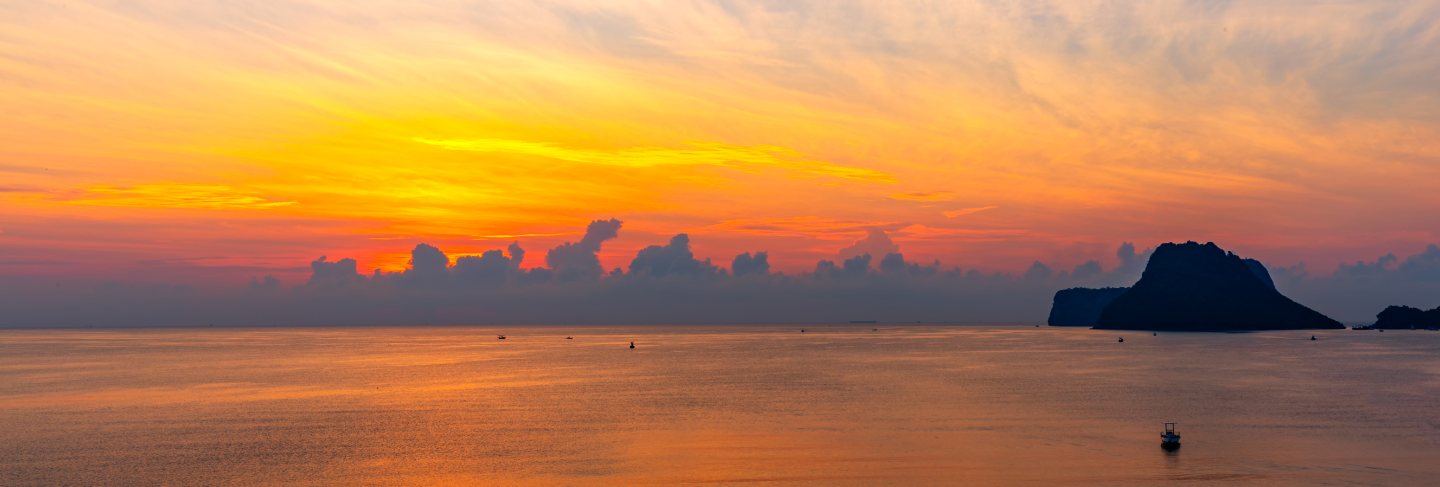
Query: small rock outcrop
point(1405, 317)
point(1200, 287)
point(1081, 306)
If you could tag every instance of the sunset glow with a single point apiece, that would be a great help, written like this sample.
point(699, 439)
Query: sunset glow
point(228, 141)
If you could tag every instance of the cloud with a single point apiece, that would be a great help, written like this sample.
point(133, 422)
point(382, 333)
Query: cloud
point(1038, 270)
point(1357, 291)
point(1424, 266)
point(876, 242)
point(698, 154)
point(800, 226)
point(930, 197)
point(579, 260)
point(1086, 270)
point(492, 267)
point(664, 284)
point(747, 264)
point(429, 267)
point(334, 273)
point(966, 211)
point(173, 195)
point(673, 259)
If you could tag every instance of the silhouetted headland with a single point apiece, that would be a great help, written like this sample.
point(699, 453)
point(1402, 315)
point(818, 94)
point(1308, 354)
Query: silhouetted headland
point(1079, 306)
point(1405, 317)
point(1196, 287)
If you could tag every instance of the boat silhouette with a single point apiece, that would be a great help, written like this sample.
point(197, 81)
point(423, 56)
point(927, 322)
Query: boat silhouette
point(1169, 440)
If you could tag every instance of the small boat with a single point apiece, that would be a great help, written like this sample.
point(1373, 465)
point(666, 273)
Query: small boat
point(1312, 338)
point(1153, 334)
point(1122, 339)
point(1169, 440)
point(569, 338)
point(802, 330)
point(499, 337)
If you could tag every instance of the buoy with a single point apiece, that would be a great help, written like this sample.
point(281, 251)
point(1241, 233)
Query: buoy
point(632, 345)
point(1153, 334)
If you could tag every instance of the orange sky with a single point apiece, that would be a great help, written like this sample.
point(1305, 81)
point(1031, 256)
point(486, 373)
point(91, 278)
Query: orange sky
point(216, 141)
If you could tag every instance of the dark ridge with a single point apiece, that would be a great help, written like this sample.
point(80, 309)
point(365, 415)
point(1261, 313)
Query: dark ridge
point(1404, 317)
point(1081, 306)
point(1259, 270)
point(1195, 287)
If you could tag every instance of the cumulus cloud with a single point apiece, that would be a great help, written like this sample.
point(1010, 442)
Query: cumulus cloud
point(341, 272)
point(747, 264)
point(876, 242)
point(673, 259)
point(491, 268)
point(665, 284)
point(429, 267)
point(1357, 291)
point(578, 259)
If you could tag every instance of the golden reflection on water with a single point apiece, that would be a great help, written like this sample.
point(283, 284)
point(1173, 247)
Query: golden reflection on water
point(721, 405)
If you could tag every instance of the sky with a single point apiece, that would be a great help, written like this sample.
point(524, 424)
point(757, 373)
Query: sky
point(216, 144)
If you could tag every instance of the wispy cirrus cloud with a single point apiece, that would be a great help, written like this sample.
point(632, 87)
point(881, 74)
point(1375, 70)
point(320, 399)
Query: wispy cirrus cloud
point(924, 197)
point(966, 211)
point(697, 154)
point(806, 226)
point(173, 195)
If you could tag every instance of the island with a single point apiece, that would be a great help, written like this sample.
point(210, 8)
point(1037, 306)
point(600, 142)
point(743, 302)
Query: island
point(1191, 287)
point(1405, 317)
point(1201, 287)
point(1079, 306)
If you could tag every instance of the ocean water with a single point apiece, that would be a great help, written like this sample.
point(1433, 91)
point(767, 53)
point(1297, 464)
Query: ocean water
point(840, 405)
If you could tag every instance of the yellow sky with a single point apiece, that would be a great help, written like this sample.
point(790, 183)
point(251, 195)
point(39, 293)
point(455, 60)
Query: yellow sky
point(259, 136)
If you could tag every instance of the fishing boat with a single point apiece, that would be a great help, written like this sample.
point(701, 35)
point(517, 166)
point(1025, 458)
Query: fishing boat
point(1169, 440)
point(499, 337)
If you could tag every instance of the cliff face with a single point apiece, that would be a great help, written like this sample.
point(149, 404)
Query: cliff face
point(1195, 287)
point(1405, 317)
point(1081, 306)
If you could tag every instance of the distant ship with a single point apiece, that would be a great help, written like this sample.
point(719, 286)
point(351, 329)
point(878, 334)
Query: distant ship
point(499, 337)
point(857, 322)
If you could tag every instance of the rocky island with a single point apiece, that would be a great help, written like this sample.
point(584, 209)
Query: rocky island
point(1079, 306)
point(1195, 287)
point(1405, 317)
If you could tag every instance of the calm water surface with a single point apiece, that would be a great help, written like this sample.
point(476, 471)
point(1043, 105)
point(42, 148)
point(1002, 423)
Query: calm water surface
point(715, 405)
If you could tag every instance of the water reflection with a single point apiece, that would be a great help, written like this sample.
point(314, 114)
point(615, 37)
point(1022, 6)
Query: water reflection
point(835, 405)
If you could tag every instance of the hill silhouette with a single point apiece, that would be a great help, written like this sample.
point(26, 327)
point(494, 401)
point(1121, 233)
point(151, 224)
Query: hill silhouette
point(1201, 287)
point(1404, 317)
point(1079, 306)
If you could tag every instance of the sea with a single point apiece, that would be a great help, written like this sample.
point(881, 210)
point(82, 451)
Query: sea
point(882, 404)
